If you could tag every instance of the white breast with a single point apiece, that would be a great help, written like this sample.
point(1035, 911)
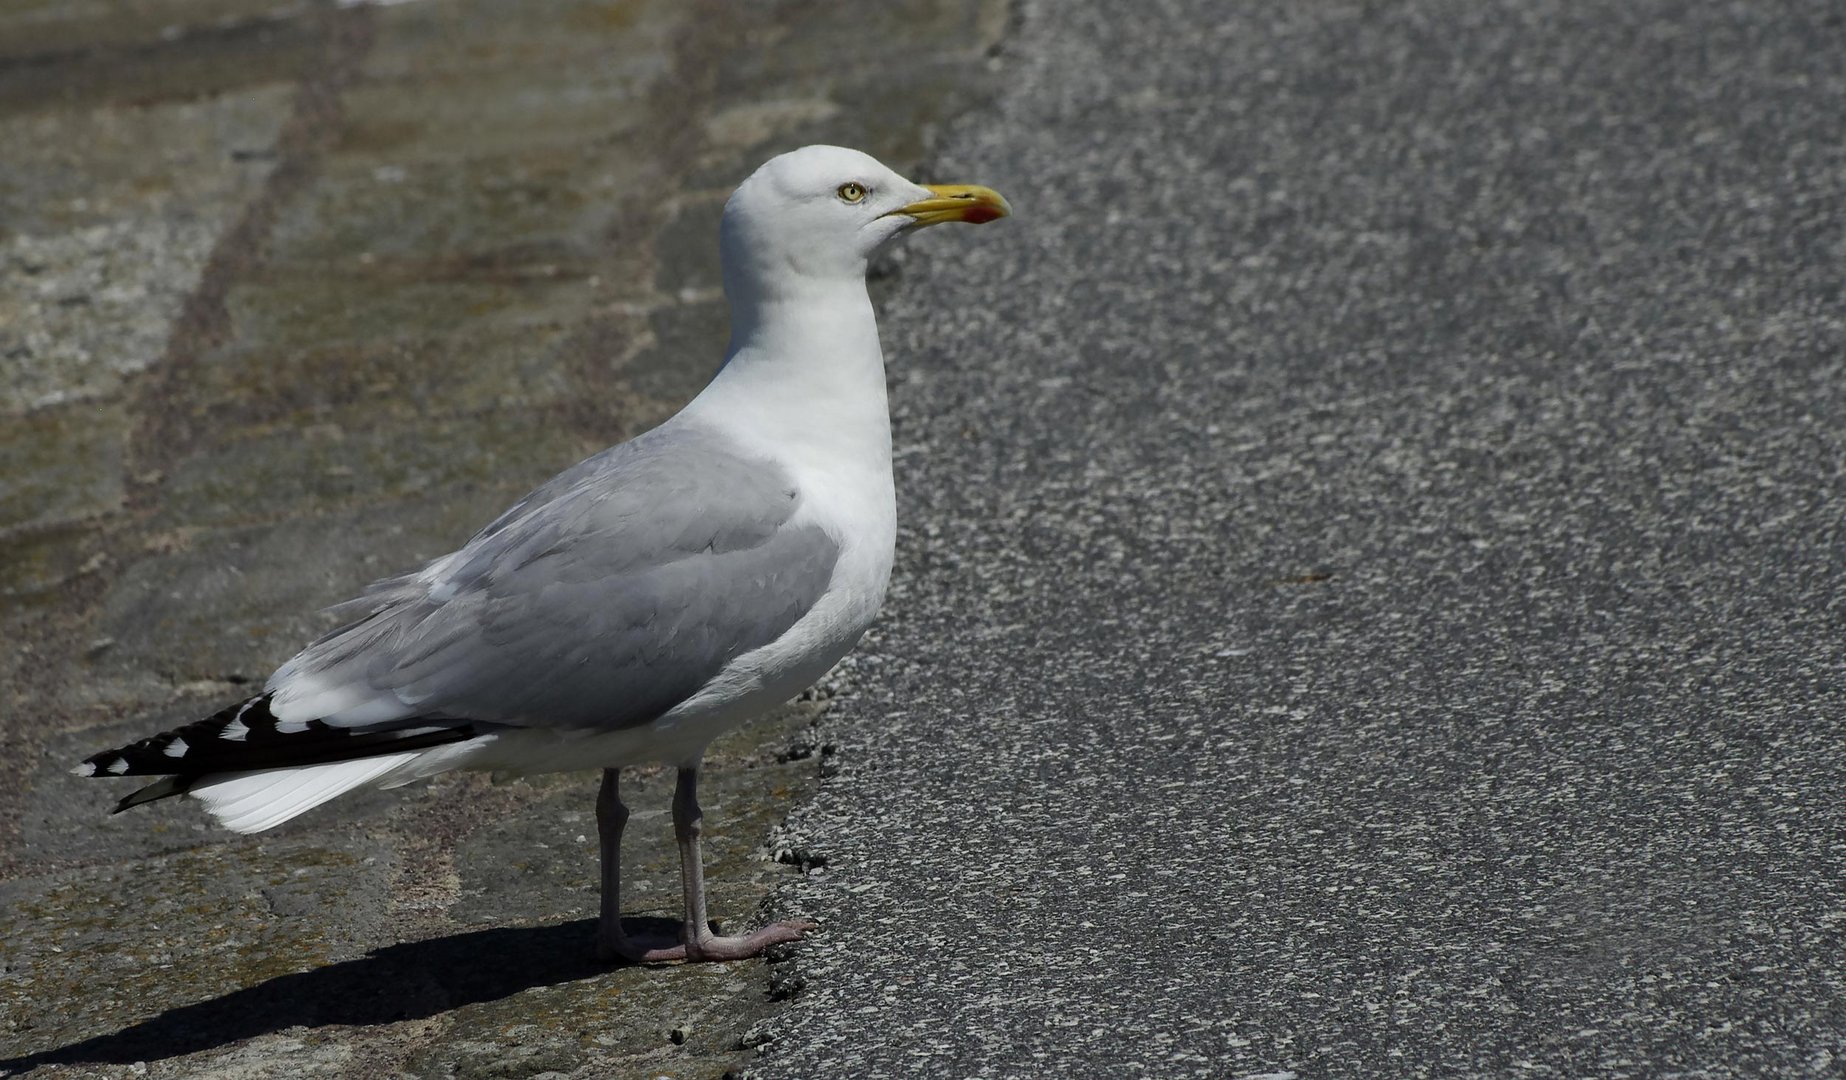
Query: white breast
point(817, 408)
point(842, 470)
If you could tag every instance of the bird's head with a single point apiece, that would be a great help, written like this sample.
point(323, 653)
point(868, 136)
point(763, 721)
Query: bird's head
point(818, 214)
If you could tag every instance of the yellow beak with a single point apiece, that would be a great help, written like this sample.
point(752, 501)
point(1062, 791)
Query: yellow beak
point(971, 203)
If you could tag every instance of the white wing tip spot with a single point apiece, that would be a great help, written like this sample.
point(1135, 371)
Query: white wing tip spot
point(176, 748)
point(119, 766)
point(86, 769)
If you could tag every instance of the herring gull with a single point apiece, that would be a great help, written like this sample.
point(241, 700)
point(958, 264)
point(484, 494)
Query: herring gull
point(640, 603)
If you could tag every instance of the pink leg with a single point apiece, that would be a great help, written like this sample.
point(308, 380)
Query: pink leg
point(700, 942)
point(612, 942)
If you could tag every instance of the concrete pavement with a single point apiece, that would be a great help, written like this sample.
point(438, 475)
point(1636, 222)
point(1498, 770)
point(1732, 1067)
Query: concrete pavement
point(296, 295)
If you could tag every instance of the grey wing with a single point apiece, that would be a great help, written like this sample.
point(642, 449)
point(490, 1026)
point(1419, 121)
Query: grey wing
point(602, 600)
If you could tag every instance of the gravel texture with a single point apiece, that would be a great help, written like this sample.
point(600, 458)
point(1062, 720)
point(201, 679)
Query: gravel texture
point(1370, 595)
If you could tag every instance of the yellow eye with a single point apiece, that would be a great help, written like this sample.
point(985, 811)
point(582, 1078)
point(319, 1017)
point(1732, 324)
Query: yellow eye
point(851, 192)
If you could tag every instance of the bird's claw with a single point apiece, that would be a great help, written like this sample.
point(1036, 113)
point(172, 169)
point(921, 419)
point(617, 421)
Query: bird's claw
point(710, 946)
point(705, 947)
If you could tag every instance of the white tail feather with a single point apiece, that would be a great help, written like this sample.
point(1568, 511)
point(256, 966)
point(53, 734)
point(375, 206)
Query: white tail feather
point(248, 802)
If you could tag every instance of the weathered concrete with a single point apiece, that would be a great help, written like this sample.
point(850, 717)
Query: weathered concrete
point(291, 297)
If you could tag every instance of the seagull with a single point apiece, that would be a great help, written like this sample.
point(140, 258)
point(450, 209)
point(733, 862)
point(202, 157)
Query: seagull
point(640, 603)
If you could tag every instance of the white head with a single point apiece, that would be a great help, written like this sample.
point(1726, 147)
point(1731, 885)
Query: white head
point(814, 216)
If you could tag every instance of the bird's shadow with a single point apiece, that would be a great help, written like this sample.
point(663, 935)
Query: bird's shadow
point(411, 981)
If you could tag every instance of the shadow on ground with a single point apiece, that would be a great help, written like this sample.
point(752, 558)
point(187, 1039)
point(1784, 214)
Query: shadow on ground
point(411, 981)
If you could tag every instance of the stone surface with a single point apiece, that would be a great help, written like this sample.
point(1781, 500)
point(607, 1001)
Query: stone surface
point(295, 296)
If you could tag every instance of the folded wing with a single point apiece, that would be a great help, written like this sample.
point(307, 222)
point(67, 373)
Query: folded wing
point(602, 600)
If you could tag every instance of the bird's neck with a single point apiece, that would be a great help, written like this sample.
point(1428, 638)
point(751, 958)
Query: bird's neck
point(805, 374)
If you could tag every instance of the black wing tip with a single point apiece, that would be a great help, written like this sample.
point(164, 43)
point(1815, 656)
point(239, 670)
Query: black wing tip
point(165, 788)
point(247, 737)
point(106, 764)
point(156, 756)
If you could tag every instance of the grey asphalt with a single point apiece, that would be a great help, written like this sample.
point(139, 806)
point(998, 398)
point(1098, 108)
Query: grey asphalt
point(1369, 597)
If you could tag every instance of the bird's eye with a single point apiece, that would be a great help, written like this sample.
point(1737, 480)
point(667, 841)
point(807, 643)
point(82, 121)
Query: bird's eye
point(851, 192)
